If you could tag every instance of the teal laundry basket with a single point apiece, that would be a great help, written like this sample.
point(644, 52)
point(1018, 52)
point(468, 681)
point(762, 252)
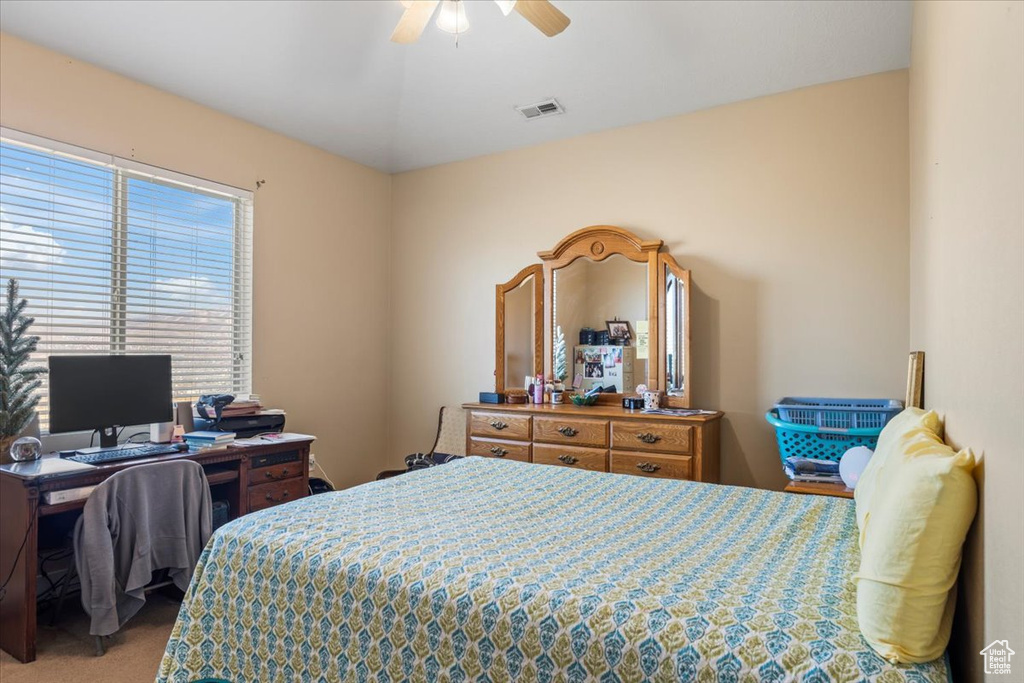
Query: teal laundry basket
point(818, 443)
point(839, 413)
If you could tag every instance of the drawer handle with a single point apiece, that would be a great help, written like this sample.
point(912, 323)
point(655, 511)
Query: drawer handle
point(647, 437)
point(647, 467)
point(500, 452)
point(567, 431)
point(270, 475)
point(277, 500)
point(499, 425)
point(569, 459)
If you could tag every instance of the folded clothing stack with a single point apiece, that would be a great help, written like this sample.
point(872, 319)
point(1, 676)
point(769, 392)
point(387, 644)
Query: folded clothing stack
point(809, 469)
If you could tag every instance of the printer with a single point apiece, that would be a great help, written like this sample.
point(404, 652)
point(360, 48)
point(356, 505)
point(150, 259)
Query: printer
point(245, 426)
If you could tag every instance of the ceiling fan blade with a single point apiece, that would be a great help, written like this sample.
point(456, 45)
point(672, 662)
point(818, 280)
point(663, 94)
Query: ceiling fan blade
point(413, 21)
point(506, 6)
point(543, 15)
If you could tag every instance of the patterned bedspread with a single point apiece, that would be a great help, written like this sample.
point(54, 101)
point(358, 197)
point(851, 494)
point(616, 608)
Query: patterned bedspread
point(483, 569)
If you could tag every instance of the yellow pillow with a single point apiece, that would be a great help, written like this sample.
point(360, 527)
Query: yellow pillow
point(921, 507)
point(909, 422)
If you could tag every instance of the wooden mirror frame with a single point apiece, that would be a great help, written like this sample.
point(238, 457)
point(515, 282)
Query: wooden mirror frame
point(538, 322)
point(597, 243)
point(683, 276)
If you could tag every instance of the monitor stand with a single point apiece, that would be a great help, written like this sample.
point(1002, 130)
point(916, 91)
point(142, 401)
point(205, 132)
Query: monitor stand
point(108, 441)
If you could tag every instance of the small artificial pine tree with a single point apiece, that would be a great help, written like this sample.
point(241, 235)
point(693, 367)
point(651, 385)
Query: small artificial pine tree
point(560, 359)
point(18, 381)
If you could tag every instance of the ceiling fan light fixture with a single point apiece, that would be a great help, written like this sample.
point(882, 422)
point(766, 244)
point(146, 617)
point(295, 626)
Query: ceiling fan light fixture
point(452, 17)
point(506, 6)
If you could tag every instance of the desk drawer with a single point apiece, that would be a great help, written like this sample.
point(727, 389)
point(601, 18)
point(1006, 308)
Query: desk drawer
point(500, 449)
point(268, 495)
point(571, 431)
point(264, 475)
point(649, 465)
point(274, 458)
point(571, 456)
point(500, 425)
point(659, 436)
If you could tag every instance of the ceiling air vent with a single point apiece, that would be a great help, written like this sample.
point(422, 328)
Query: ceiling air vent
point(541, 109)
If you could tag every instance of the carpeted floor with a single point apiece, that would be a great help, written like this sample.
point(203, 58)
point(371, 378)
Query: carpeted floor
point(65, 653)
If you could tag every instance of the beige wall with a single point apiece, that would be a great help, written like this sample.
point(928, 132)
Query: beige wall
point(320, 237)
point(790, 210)
point(967, 280)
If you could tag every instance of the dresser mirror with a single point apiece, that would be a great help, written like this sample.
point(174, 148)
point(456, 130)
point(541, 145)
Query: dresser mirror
point(597, 278)
point(587, 295)
point(519, 332)
point(674, 356)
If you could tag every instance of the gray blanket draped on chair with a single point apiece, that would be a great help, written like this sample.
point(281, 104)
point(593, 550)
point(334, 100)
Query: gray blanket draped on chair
point(142, 519)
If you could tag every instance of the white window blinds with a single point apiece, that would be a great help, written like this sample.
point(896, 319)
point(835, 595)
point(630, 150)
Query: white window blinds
point(117, 257)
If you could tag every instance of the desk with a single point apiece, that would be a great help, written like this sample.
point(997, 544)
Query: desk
point(241, 475)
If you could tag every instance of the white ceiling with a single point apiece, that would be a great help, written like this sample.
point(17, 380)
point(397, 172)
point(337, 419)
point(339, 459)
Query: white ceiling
point(326, 72)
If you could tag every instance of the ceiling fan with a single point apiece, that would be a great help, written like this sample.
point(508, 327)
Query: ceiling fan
point(452, 17)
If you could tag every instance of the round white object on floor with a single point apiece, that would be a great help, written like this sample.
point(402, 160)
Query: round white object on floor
point(853, 463)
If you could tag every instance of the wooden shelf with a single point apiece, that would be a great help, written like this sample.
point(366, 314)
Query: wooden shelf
point(817, 488)
point(221, 476)
point(214, 476)
point(46, 510)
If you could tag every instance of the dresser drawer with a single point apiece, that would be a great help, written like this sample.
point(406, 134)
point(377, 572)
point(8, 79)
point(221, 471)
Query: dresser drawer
point(264, 475)
point(571, 431)
point(268, 495)
point(500, 449)
point(571, 456)
point(500, 425)
point(659, 436)
point(650, 465)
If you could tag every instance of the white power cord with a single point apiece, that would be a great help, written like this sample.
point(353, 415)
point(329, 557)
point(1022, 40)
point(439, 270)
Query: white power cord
point(315, 466)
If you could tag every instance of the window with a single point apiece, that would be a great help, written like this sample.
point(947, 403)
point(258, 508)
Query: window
point(117, 257)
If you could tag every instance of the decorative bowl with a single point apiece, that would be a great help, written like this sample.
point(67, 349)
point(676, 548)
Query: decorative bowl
point(26, 448)
point(583, 400)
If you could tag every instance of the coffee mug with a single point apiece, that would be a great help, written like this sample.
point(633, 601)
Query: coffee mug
point(652, 400)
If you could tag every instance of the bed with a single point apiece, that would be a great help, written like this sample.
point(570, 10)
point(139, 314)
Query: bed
point(480, 570)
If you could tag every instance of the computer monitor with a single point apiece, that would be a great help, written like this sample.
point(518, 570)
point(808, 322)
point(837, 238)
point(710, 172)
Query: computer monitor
point(106, 392)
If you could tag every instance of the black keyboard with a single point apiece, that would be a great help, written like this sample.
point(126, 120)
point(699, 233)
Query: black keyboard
point(127, 453)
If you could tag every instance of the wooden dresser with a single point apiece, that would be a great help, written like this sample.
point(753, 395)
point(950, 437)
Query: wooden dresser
point(603, 438)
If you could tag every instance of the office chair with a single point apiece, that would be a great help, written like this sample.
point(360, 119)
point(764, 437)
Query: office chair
point(115, 540)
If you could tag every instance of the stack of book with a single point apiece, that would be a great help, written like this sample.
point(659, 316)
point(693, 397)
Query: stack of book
point(243, 405)
point(209, 441)
point(809, 469)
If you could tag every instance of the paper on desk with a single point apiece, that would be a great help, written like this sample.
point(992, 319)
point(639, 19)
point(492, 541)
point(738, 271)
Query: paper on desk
point(283, 437)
